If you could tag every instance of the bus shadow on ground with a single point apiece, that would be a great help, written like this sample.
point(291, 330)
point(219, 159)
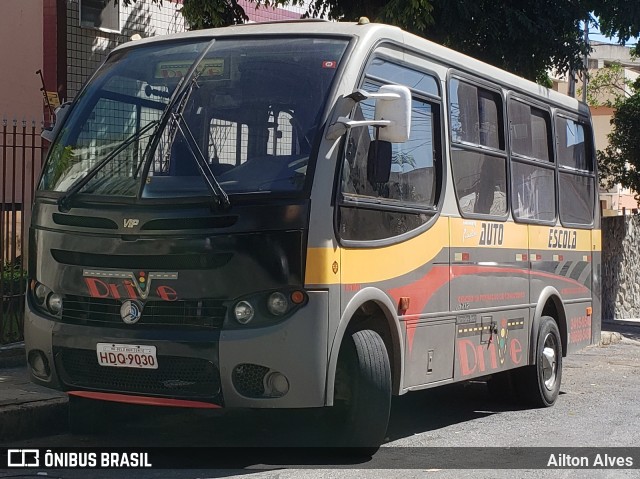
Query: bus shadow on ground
point(413, 413)
point(432, 409)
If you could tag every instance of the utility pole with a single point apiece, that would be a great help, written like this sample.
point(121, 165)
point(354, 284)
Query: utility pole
point(585, 79)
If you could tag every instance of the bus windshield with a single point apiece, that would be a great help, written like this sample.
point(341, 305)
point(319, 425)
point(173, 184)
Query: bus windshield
point(247, 116)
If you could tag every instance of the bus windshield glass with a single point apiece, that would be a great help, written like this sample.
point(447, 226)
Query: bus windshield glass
point(161, 120)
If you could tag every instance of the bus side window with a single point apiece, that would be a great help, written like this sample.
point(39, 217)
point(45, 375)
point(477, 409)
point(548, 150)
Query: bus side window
point(413, 181)
point(576, 168)
point(478, 155)
point(532, 165)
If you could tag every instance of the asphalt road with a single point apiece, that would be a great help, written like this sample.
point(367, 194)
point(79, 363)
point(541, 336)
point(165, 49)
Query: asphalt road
point(599, 407)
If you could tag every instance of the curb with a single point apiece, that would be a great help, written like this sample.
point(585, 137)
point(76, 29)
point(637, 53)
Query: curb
point(39, 418)
point(12, 355)
point(608, 337)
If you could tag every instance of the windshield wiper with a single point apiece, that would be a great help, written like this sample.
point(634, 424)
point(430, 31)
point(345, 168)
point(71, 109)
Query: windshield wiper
point(221, 197)
point(63, 201)
point(173, 112)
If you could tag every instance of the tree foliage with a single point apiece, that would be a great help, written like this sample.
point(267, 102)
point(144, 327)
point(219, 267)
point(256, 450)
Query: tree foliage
point(617, 18)
point(528, 38)
point(213, 13)
point(608, 86)
point(620, 161)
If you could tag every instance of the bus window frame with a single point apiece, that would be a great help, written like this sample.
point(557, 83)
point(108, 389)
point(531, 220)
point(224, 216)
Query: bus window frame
point(455, 74)
point(593, 173)
point(439, 146)
point(519, 158)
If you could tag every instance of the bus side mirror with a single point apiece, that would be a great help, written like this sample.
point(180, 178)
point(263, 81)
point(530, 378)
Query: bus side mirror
point(397, 110)
point(379, 162)
point(392, 115)
point(60, 114)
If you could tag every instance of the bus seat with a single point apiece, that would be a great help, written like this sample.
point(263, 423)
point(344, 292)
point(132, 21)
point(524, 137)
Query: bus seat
point(182, 161)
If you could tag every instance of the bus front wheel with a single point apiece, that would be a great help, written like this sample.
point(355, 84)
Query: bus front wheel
point(362, 395)
point(539, 384)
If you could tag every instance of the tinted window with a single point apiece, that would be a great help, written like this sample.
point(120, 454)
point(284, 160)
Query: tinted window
point(572, 148)
point(576, 198)
point(480, 178)
point(529, 130)
point(384, 70)
point(533, 192)
point(476, 115)
point(480, 181)
point(250, 111)
point(372, 209)
point(412, 178)
point(577, 178)
point(532, 169)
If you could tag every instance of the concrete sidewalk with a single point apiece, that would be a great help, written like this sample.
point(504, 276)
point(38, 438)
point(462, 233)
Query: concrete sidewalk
point(28, 410)
point(25, 408)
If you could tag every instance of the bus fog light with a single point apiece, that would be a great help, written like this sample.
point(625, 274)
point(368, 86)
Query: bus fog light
point(277, 384)
point(277, 304)
point(54, 303)
point(243, 312)
point(39, 364)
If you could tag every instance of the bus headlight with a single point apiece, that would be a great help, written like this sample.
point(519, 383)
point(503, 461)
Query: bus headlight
point(277, 304)
point(243, 312)
point(54, 303)
point(40, 292)
point(45, 299)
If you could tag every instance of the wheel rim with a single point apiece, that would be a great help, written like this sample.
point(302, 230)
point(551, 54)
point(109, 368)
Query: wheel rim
point(549, 362)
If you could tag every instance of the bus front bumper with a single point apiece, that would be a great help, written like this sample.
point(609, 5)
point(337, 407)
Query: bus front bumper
point(279, 366)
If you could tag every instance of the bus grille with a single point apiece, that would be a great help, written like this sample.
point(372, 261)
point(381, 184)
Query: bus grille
point(248, 379)
point(177, 377)
point(207, 313)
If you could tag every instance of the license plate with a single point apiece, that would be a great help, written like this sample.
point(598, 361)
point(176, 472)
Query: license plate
point(127, 356)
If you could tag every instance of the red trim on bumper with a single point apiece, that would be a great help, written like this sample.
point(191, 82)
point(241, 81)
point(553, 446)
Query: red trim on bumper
point(147, 401)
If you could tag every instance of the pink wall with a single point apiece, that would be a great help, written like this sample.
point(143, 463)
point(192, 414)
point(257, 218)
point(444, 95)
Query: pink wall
point(20, 57)
point(266, 14)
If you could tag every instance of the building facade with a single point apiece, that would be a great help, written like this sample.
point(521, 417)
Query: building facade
point(69, 39)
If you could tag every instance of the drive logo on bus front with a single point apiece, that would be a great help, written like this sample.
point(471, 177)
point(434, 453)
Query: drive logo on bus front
point(128, 285)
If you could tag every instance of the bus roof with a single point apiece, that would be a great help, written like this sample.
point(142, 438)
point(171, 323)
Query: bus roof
point(370, 34)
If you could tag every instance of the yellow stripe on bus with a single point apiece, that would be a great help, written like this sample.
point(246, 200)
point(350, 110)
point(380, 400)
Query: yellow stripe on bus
point(323, 266)
point(466, 233)
point(596, 240)
point(368, 265)
point(554, 238)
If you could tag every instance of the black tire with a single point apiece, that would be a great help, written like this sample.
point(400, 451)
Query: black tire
point(539, 384)
point(86, 416)
point(362, 396)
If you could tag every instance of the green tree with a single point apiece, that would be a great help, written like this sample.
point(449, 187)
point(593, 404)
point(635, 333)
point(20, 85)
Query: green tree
point(620, 161)
point(608, 86)
point(213, 13)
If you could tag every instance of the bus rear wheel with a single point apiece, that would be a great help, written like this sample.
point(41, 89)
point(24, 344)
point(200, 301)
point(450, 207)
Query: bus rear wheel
point(539, 384)
point(362, 393)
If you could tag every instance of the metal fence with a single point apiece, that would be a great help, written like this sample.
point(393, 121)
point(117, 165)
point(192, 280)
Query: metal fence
point(21, 156)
